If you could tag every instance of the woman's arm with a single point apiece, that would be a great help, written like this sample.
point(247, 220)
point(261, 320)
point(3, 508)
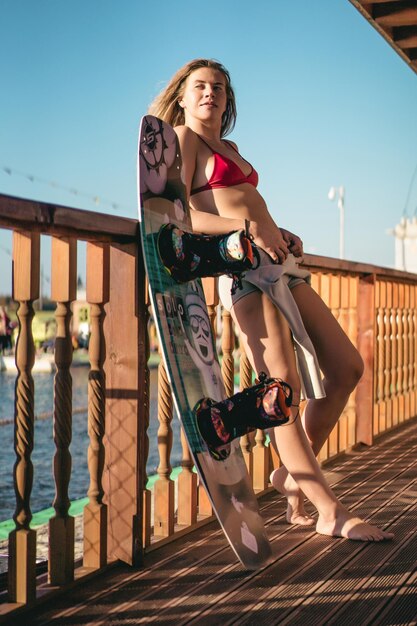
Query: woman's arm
point(294, 243)
point(212, 224)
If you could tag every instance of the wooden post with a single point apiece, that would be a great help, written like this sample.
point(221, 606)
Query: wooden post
point(95, 513)
point(401, 365)
point(386, 421)
point(125, 403)
point(379, 406)
point(228, 345)
point(246, 441)
point(352, 328)
point(395, 329)
point(366, 347)
point(164, 489)
point(412, 348)
point(335, 307)
point(61, 527)
point(22, 540)
point(187, 487)
point(321, 283)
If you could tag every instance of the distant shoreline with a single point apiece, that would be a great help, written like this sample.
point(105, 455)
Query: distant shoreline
point(40, 518)
point(44, 363)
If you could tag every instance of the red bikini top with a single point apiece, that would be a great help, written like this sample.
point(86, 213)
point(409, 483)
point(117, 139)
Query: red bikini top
point(226, 173)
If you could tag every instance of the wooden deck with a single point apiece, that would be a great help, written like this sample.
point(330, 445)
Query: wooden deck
point(312, 580)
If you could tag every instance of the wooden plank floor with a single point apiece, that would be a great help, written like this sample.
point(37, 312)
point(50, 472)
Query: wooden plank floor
point(312, 580)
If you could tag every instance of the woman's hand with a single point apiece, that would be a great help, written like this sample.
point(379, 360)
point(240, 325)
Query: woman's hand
point(294, 243)
point(270, 238)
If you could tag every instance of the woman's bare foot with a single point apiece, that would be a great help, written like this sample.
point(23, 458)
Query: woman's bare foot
point(345, 524)
point(286, 485)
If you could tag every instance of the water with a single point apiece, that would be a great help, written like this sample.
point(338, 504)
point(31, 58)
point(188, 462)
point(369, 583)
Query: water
point(43, 491)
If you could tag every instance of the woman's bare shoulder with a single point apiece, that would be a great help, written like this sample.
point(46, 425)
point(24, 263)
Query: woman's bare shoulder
point(185, 133)
point(189, 143)
point(231, 143)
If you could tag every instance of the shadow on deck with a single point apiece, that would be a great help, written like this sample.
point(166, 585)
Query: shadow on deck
point(313, 579)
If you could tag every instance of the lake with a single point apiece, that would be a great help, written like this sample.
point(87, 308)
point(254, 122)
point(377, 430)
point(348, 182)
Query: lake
point(43, 491)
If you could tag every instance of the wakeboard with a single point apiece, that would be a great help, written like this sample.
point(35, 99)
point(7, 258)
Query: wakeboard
point(188, 346)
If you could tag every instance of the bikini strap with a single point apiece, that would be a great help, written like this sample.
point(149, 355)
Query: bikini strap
point(230, 144)
point(204, 141)
point(226, 141)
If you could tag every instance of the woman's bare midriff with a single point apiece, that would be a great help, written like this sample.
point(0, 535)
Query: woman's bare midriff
point(238, 202)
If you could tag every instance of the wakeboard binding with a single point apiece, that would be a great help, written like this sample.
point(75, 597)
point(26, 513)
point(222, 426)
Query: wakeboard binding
point(264, 405)
point(187, 256)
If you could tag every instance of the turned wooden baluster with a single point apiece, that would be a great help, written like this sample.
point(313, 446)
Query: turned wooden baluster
point(394, 323)
point(410, 348)
point(407, 365)
point(413, 343)
point(412, 354)
point(95, 513)
point(350, 285)
point(228, 345)
point(344, 318)
point(335, 307)
point(22, 540)
point(401, 391)
point(405, 345)
point(61, 527)
point(187, 487)
point(212, 299)
point(164, 487)
point(246, 442)
point(260, 456)
point(387, 365)
point(379, 379)
point(379, 392)
point(321, 283)
point(366, 402)
point(348, 322)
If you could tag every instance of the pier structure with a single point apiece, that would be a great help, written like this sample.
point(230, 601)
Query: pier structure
point(158, 555)
point(124, 521)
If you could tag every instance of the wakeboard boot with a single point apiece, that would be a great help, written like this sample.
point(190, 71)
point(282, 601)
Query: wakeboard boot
point(264, 405)
point(187, 256)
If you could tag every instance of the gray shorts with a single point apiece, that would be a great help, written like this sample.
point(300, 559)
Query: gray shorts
point(289, 271)
point(248, 288)
point(276, 282)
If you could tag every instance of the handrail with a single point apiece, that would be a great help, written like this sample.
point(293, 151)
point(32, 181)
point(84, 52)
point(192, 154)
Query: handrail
point(53, 219)
point(316, 262)
point(87, 225)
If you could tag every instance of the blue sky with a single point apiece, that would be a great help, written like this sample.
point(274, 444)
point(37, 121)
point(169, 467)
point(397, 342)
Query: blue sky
point(322, 100)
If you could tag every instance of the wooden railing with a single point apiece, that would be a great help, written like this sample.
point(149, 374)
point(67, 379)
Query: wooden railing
point(124, 517)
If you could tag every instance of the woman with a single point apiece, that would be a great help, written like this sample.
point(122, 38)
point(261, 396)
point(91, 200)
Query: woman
point(199, 102)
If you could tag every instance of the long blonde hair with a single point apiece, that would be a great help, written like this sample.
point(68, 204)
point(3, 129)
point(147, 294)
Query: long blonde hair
point(166, 104)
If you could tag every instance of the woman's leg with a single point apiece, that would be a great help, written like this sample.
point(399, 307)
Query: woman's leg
point(268, 344)
point(340, 364)
point(270, 349)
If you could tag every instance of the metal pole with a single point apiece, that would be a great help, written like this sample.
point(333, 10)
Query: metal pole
point(341, 205)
